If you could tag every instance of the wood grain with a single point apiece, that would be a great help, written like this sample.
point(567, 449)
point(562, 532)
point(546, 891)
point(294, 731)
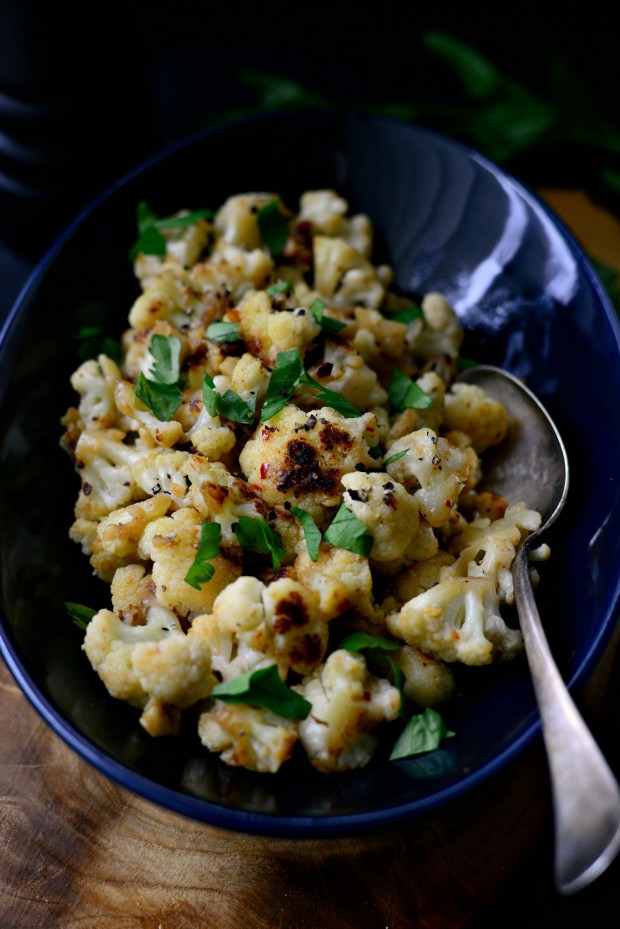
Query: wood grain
point(79, 852)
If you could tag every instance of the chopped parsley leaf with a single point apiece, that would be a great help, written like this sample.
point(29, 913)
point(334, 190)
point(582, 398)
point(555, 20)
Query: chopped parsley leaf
point(264, 688)
point(201, 570)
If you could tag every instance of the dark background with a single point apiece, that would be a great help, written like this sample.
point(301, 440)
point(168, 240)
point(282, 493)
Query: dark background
point(85, 96)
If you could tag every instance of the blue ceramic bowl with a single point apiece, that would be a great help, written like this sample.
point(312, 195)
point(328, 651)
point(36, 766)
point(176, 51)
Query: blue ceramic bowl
point(447, 220)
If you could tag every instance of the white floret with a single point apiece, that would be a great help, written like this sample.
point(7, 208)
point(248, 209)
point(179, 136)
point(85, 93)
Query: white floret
point(344, 276)
point(348, 703)
point(268, 331)
point(254, 624)
point(171, 543)
point(351, 377)
point(118, 534)
point(104, 462)
point(457, 620)
point(95, 382)
point(236, 221)
point(165, 433)
point(248, 737)
point(153, 659)
point(328, 214)
point(428, 681)
point(468, 409)
point(487, 548)
point(442, 333)
point(388, 511)
point(437, 467)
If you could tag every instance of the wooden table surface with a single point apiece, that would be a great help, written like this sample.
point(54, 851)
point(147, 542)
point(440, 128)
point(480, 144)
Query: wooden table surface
point(79, 852)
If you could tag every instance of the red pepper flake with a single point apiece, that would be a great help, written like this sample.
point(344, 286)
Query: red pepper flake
point(448, 503)
point(264, 469)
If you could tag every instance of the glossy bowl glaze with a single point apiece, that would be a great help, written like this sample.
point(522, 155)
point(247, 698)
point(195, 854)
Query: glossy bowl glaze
point(447, 220)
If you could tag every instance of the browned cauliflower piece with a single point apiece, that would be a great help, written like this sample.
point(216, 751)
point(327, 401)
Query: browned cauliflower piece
point(467, 408)
point(267, 331)
point(248, 737)
point(253, 624)
point(171, 543)
point(140, 650)
point(348, 703)
point(301, 457)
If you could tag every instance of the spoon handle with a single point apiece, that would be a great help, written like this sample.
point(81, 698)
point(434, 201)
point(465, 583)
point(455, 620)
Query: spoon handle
point(586, 796)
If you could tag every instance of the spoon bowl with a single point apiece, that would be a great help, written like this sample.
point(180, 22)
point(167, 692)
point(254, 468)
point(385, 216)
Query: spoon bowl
point(531, 466)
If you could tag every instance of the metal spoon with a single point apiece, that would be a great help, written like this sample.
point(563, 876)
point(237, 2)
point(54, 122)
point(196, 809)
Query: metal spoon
point(532, 466)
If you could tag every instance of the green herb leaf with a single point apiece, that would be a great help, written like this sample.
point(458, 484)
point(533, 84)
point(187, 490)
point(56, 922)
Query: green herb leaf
point(223, 331)
point(403, 393)
point(423, 733)
point(407, 314)
point(286, 376)
point(166, 353)
point(358, 641)
point(94, 342)
point(330, 398)
point(181, 222)
point(348, 532)
point(229, 404)
point(311, 532)
point(273, 225)
point(395, 457)
point(480, 78)
point(81, 615)
point(201, 570)
point(264, 688)
point(161, 399)
point(327, 323)
point(150, 240)
point(256, 535)
point(281, 287)
point(375, 452)
point(463, 364)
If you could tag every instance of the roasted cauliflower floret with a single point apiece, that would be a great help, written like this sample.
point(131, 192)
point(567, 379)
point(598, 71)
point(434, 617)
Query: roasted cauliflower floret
point(342, 580)
point(301, 457)
point(171, 543)
point(95, 382)
point(268, 331)
point(184, 245)
point(441, 334)
point(437, 467)
point(165, 433)
point(348, 703)
point(467, 408)
point(386, 509)
point(457, 620)
point(118, 534)
point(104, 462)
point(210, 435)
point(253, 624)
point(162, 299)
point(151, 659)
point(487, 548)
point(247, 736)
point(428, 682)
point(380, 341)
point(346, 372)
point(236, 221)
point(343, 276)
point(328, 214)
